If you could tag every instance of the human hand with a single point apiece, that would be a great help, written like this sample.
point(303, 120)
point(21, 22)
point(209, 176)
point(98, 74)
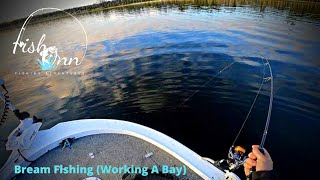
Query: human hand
point(262, 162)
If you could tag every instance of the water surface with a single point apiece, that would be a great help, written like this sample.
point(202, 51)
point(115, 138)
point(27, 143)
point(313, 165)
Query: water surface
point(144, 61)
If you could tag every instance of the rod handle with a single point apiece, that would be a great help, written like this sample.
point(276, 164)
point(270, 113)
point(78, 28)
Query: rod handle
point(253, 169)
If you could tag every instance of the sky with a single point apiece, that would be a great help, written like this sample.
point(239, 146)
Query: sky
point(16, 9)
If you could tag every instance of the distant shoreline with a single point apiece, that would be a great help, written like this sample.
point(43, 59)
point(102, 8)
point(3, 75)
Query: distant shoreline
point(300, 6)
point(74, 11)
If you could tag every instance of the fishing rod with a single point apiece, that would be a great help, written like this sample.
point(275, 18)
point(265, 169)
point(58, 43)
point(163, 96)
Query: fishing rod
point(238, 162)
point(265, 63)
point(270, 107)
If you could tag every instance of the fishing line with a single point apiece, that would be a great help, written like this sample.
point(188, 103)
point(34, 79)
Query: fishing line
point(195, 92)
point(265, 63)
point(264, 79)
point(252, 105)
point(238, 162)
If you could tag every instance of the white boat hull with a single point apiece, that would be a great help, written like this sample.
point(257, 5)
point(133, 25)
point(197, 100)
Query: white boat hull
point(46, 140)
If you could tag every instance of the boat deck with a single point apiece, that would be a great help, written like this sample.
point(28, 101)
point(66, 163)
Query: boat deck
point(108, 149)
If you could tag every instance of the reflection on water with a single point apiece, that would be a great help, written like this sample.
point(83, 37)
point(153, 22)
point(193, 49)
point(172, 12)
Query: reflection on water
point(144, 61)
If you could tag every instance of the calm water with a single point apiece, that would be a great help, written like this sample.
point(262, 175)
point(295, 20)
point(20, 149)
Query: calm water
point(144, 61)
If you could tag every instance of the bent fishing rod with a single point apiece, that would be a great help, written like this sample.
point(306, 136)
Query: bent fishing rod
point(265, 63)
point(266, 128)
point(270, 107)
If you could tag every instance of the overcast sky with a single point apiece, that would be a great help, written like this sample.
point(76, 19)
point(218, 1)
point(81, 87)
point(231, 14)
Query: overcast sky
point(16, 9)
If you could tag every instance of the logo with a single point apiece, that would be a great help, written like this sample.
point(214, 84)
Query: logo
point(47, 57)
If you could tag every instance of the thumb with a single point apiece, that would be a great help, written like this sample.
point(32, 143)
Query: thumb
point(257, 153)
